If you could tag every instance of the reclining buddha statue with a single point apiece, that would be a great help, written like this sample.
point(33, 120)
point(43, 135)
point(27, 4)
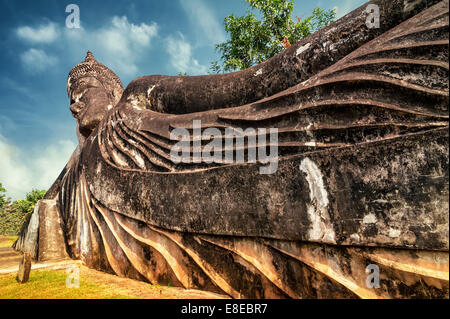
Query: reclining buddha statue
point(353, 205)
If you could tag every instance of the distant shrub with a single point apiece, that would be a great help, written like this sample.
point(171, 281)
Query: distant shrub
point(13, 215)
point(11, 220)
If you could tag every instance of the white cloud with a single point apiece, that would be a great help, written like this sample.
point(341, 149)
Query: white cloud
point(41, 34)
point(180, 54)
point(22, 170)
point(14, 177)
point(210, 28)
point(122, 36)
point(119, 44)
point(37, 60)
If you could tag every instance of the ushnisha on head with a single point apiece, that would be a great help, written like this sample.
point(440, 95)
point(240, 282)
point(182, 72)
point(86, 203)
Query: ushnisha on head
point(93, 89)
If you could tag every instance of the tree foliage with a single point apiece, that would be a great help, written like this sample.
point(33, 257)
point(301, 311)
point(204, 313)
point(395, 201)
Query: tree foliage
point(2, 196)
point(13, 215)
point(11, 220)
point(252, 40)
point(26, 205)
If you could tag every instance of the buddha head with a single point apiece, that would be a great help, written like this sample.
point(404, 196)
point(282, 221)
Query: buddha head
point(93, 89)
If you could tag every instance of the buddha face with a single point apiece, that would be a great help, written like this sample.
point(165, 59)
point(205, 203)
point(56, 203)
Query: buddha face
point(89, 103)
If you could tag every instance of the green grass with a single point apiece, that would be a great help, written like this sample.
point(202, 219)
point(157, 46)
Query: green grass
point(51, 284)
point(7, 241)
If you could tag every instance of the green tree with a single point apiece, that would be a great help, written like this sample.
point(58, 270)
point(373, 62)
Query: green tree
point(2, 196)
point(26, 205)
point(253, 41)
point(12, 216)
point(215, 68)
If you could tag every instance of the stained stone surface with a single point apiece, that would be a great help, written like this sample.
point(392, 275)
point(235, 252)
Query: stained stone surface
point(24, 268)
point(28, 242)
point(42, 234)
point(362, 175)
point(51, 238)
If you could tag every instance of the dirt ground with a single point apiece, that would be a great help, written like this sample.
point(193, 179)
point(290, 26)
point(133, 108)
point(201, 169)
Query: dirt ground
point(10, 259)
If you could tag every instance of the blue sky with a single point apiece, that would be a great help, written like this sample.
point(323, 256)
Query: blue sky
point(133, 38)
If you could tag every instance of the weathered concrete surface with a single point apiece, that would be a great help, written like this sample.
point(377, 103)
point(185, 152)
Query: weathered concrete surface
point(48, 265)
point(362, 175)
point(44, 239)
point(51, 238)
point(24, 268)
point(370, 200)
point(28, 240)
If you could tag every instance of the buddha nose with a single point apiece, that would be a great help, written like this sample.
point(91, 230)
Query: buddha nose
point(76, 107)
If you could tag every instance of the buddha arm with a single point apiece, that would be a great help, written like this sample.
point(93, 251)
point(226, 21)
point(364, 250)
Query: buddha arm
point(380, 91)
point(189, 94)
